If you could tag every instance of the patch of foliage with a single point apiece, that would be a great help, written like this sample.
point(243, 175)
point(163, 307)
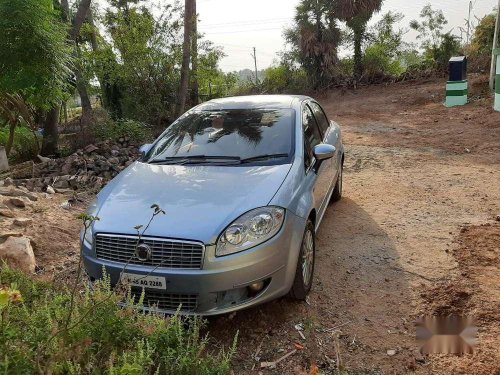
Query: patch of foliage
point(138, 132)
point(25, 146)
point(285, 79)
point(102, 338)
point(479, 50)
point(34, 54)
point(438, 46)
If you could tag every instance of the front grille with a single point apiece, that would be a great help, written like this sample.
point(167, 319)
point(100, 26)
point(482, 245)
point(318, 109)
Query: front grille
point(165, 253)
point(166, 301)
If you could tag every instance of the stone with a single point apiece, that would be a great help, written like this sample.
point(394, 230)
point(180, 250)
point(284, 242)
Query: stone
point(17, 202)
point(61, 184)
point(18, 254)
point(497, 218)
point(6, 212)
point(23, 222)
point(8, 182)
point(91, 148)
point(3, 236)
point(50, 190)
point(391, 352)
point(18, 192)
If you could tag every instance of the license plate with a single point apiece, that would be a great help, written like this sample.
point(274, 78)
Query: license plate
point(143, 281)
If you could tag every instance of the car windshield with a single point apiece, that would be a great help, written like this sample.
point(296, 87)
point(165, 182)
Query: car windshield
point(227, 136)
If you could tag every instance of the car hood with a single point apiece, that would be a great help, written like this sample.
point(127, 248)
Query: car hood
point(199, 201)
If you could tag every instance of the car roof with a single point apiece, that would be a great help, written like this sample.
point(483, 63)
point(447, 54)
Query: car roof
point(253, 101)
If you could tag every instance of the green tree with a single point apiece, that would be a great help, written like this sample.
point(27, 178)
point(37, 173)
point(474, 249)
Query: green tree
point(314, 39)
point(430, 28)
point(34, 54)
point(483, 35)
point(438, 46)
point(145, 77)
point(386, 52)
point(357, 13)
point(35, 58)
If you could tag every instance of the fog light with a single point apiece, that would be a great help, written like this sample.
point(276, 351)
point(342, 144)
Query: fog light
point(256, 287)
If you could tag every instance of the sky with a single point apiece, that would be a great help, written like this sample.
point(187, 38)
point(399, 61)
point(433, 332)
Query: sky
point(239, 25)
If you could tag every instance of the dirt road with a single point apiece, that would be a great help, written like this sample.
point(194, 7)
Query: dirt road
point(393, 248)
point(415, 233)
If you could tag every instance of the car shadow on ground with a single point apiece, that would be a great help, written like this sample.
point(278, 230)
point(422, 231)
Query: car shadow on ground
point(358, 282)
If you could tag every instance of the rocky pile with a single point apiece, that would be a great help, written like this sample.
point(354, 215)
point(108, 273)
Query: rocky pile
point(92, 166)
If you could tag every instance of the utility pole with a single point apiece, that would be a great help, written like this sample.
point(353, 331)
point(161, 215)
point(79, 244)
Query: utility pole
point(255, 61)
point(495, 44)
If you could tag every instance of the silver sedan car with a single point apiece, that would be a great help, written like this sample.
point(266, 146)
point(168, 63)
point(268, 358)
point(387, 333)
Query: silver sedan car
point(244, 183)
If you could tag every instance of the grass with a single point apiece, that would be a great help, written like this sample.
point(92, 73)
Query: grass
point(101, 338)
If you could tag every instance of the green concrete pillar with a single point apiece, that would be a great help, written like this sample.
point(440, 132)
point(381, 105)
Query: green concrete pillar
point(496, 106)
point(456, 93)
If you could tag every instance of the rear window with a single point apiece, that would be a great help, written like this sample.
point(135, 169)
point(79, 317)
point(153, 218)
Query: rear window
point(244, 133)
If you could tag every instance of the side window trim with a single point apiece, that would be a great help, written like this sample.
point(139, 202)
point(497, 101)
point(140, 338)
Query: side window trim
point(316, 122)
point(305, 107)
point(324, 134)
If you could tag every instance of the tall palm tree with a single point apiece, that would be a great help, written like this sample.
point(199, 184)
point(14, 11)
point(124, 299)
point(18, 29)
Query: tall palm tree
point(357, 13)
point(315, 38)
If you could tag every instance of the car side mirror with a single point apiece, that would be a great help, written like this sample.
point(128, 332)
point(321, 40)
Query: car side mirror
point(323, 152)
point(144, 149)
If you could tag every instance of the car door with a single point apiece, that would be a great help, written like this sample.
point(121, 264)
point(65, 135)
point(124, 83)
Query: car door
point(312, 137)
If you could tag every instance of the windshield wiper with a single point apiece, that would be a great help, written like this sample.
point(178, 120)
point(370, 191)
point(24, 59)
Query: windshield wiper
point(192, 159)
point(263, 157)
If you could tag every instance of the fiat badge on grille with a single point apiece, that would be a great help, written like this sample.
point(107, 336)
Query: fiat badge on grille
point(143, 252)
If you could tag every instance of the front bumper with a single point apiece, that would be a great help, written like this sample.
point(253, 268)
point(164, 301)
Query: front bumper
point(221, 285)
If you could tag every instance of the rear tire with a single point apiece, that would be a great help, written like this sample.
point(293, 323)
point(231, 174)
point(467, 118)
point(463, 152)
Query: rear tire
point(305, 265)
point(337, 191)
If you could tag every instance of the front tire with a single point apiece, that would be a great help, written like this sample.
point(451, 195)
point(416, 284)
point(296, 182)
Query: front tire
point(305, 265)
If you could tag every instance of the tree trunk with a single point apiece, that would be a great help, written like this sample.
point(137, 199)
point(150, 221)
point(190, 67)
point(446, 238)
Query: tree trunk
point(194, 64)
point(358, 57)
point(81, 14)
point(93, 35)
point(81, 86)
point(50, 133)
point(186, 56)
point(65, 9)
point(65, 110)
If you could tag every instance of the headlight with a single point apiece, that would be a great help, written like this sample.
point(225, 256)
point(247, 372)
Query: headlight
point(250, 229)
point(88, 236)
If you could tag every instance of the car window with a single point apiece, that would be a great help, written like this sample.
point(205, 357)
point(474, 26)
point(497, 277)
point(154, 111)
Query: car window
point(320, 117)
point(243, 133)
point(312, 136)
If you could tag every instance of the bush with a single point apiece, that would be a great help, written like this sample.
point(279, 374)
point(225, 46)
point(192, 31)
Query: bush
point(378, 63)
point(138, 132)
point(25, 145)
point(283, 79)
point(102, 338)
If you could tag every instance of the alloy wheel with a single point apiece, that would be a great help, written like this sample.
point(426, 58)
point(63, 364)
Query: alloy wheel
point(307, 258)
